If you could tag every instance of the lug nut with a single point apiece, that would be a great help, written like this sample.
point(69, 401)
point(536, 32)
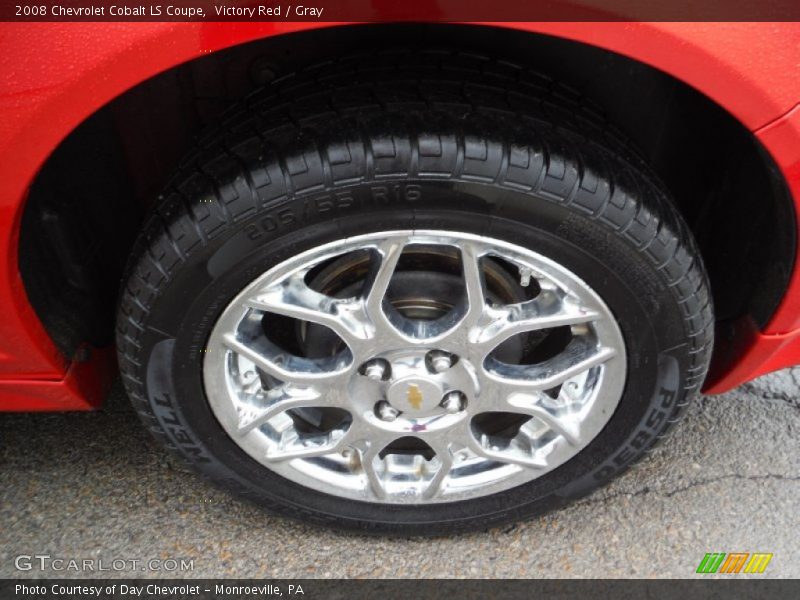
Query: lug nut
point(385, 411)
point(454, 402)
point(376, 370)
point(440, 361)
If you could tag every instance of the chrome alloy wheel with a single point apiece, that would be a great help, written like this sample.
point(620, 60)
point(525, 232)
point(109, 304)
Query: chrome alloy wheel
point(375, 399)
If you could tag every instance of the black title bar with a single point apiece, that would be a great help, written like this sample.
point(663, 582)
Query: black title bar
point(400, 10)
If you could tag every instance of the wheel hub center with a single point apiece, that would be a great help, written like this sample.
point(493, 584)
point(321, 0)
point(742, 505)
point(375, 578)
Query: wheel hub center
point(415, 395)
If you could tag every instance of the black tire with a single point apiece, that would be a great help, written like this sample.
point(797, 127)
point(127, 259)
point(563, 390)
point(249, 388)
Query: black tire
point(435, 141)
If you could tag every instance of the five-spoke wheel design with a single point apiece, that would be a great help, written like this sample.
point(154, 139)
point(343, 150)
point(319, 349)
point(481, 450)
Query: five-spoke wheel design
point(415, 366)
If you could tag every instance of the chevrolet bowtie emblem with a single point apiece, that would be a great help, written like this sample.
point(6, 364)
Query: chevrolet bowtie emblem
point(414, 396)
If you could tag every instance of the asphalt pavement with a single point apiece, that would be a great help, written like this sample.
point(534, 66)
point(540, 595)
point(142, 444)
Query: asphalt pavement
point(95, 487)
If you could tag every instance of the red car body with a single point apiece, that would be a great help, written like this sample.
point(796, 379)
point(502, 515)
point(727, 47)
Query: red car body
point(55, 75)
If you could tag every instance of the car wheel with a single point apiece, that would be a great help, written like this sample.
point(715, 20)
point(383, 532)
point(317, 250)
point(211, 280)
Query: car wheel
point(401, 301)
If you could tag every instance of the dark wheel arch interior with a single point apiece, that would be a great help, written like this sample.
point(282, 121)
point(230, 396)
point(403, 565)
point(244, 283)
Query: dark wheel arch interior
point(85, 206)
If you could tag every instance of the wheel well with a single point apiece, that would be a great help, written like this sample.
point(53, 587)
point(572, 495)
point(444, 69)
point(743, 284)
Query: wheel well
point(86, 204)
